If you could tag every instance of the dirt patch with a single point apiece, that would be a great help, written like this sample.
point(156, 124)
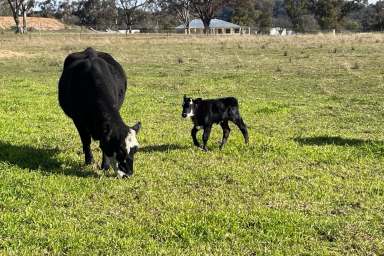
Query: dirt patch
point(5, 54)
point(36, 23)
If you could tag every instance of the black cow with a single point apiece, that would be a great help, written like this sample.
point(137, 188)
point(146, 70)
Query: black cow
point(91, 91)
point(204, 113)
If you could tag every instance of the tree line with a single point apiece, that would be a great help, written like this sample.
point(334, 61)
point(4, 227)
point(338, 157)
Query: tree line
point(154, 15)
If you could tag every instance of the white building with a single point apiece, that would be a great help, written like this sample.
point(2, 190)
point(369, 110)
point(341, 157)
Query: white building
point(216, 26)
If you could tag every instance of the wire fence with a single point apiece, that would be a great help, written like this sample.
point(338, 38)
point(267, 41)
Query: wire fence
point(87, 32)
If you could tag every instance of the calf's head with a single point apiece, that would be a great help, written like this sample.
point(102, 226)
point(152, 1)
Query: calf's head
point(120, 145)
point(189, 106)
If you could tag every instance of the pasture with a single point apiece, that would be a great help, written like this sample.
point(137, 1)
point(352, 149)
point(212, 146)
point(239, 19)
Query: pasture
point(311, 181)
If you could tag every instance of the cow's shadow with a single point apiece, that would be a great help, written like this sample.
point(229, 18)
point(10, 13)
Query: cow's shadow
point(38, 159)
point(334, 140)
point(161, 148)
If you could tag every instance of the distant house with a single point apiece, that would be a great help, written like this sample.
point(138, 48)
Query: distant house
point(216, 26)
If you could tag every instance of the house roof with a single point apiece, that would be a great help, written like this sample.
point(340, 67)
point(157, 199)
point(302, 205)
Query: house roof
point(215, 23)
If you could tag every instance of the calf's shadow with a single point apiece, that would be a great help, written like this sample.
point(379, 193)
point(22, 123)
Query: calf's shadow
point(37, 159)
point(161, 148)
point(334, 140)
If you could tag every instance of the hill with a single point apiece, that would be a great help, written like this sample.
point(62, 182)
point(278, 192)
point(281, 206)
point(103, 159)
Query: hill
point(37, 23)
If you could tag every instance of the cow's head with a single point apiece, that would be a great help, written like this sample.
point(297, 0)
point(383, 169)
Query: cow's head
point(189, 106)
point(121, 146)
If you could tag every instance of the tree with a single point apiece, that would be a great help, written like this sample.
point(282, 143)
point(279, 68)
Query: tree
point(207, 9)
point(371, 17)
point(98, 14)
point(264, 9)
point(379, 16)
point(257, 13)
point(4, 8)
point(280, 17)
point(15, 6)
point(296, 9)
point(244, 12)
point(26, 7)
point(20, 8)
point(67, 12)
point(330, 13)
point(130, 8)
point(182, 10)
point(48, 8)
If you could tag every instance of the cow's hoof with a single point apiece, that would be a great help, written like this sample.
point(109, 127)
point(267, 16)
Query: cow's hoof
point(205, 149)
point(104, 167)
point(89, 161)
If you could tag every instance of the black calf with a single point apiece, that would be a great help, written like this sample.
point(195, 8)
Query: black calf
point(206, 112)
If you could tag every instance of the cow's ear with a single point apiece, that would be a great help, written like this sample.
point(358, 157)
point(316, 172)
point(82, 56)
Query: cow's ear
point(107, 131)
point(137, 127)
point(185, 97)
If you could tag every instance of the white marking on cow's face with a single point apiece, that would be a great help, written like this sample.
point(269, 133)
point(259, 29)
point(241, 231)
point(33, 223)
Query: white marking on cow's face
point(115, 166)
point(131, 140)
point(191, 113)
point(121, 174)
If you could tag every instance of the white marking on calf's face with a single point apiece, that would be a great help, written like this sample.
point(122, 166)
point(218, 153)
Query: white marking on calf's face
point(190, 114)
point(131, 140)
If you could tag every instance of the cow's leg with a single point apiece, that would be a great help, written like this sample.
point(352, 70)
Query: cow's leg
point(243, 128)
point(206, 133)
point(193, 134)
point(105, 163)
point(85, 137)
point(226, 130)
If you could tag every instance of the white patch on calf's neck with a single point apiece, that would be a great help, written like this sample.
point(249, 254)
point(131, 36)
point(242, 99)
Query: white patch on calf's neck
point(131, 140)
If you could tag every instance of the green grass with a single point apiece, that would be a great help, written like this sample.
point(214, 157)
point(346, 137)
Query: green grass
point(311, 181)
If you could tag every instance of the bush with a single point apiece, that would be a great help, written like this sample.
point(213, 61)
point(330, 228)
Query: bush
point(352, 25)
point(310, 24)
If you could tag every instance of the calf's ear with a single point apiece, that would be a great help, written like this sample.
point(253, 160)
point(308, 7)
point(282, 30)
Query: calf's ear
point(185, 96)
point(137, 127)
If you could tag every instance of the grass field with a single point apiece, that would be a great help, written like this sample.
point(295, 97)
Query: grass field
point(311, 181)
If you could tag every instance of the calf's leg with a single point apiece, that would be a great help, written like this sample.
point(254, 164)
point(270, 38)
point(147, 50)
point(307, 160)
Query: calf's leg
point(243, 128)
point(226, 130)
point(85, 137)
point(193, 134)
point(206, 133)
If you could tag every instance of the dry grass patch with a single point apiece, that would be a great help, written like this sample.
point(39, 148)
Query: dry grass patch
point(7, 54)
point(33, 22)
